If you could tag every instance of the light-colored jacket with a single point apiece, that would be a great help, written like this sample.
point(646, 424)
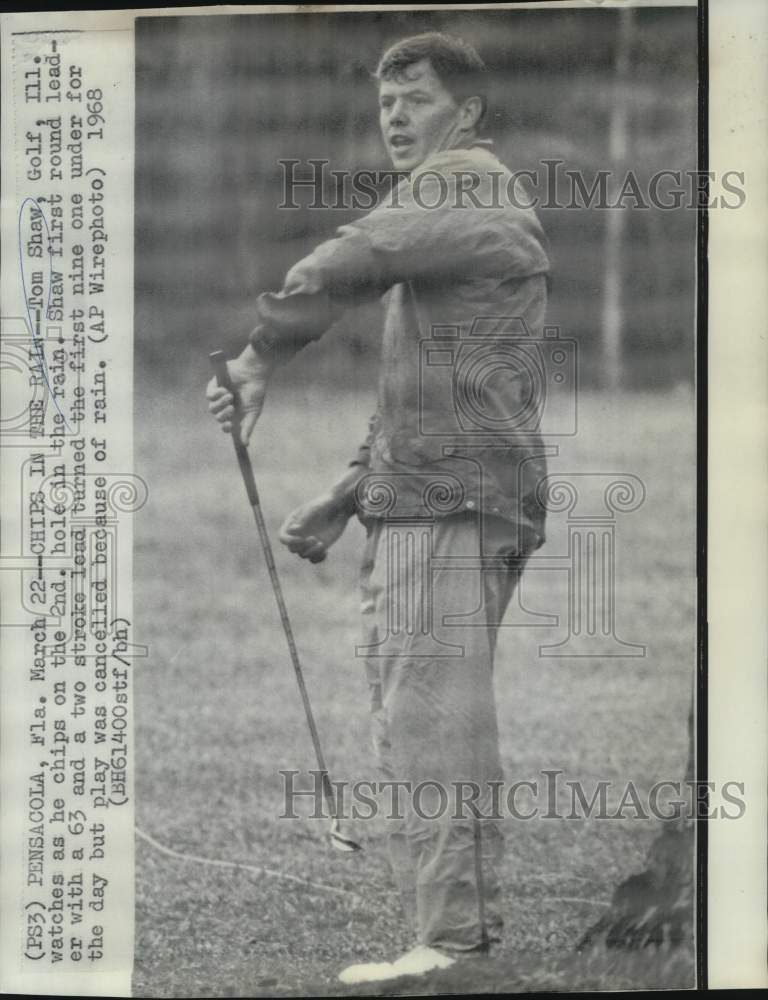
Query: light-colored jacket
point(463, 272)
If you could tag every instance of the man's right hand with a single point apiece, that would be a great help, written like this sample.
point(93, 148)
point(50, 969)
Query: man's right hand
point(249, 374)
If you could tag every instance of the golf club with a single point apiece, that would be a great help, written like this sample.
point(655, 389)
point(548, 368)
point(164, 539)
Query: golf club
point(337, 838)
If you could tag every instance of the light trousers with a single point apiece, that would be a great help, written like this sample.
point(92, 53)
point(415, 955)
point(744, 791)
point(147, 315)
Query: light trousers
point(433, 595)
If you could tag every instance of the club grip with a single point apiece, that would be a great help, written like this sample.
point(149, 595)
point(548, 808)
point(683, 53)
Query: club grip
point(219, 364)
point(218, 361)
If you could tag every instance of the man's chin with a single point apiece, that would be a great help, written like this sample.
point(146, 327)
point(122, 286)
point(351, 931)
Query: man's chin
point(405, 160)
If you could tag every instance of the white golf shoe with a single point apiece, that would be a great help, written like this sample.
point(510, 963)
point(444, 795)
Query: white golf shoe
point(415, 962)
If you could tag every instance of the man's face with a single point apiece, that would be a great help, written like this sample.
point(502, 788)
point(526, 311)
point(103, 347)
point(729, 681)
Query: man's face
point(417, 115)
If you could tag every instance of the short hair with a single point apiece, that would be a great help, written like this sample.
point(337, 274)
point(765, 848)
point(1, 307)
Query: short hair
point(455, 62)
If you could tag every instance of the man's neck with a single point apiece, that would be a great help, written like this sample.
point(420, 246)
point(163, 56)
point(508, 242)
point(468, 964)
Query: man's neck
point(465, 140)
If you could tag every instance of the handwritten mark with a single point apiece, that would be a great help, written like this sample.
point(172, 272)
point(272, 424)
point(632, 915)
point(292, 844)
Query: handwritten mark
point(34, 328)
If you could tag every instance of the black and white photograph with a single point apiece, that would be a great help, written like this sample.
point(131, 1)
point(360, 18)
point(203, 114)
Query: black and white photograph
point(383, 463)
point(422, 720)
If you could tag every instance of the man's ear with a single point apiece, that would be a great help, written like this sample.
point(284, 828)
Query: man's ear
point(471, 113)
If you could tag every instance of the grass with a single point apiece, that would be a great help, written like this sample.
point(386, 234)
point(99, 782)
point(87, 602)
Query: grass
point(217, 712)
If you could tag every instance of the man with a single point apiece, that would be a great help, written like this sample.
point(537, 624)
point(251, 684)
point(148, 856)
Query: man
point(446, 482)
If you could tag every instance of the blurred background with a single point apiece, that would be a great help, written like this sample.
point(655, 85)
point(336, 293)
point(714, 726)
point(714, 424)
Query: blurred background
point(221, 100)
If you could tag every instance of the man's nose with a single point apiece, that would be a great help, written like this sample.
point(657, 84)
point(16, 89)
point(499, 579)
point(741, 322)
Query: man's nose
point(398, 114)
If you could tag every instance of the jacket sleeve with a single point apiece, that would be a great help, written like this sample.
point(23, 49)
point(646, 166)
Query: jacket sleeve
point(339, 273)
point(418, 235)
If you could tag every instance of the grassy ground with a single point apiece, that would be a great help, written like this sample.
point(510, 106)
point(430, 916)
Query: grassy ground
point(218, 713)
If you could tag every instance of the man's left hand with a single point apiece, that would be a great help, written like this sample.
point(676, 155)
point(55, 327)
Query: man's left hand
point(311, 529)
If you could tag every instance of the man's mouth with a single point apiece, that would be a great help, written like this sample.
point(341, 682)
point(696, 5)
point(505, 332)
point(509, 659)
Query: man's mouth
point(400, 141)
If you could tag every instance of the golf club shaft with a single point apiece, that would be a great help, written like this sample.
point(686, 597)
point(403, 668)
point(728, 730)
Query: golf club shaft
point(219, 364)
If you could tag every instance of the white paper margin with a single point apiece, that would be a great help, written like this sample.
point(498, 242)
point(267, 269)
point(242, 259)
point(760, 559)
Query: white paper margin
point(738, 408)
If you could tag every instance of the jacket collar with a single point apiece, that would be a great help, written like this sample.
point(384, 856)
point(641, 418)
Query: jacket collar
point(453, 156)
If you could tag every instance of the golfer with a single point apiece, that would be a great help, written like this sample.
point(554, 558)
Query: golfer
point(455, 452)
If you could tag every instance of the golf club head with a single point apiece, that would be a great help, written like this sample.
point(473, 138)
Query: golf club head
point(340, 841)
